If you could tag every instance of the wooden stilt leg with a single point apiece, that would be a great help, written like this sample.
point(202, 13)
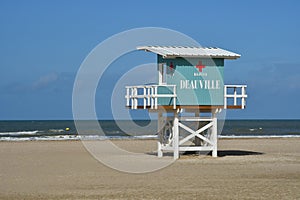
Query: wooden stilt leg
point(197, 140)
point(159, 130)
point(214, 136)
point(176, 136)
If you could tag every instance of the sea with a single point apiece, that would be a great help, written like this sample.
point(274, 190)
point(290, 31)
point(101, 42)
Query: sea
point(52, 130)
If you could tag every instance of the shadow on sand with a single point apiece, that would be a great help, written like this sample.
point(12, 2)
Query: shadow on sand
point(223, 153)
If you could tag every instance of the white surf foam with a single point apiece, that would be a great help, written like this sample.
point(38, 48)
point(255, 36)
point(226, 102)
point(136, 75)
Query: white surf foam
point(75, 137)
point(19, 133)
point(30, 137)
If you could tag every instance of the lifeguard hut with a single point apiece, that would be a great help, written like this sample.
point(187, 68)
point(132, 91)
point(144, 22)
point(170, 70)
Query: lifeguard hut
point(190, 88)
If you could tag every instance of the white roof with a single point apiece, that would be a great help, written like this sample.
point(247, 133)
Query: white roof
point(182, 51)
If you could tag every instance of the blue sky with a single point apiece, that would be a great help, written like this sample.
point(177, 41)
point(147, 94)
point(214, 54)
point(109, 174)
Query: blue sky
point(43, 44)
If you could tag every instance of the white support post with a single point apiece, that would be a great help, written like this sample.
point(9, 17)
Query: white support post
point(174, 98)
point(234, 98)
point(225, 96)
point(152, 98)
point(135, 99)
point(214, 135)
point(132, 99)
point(197, 139)
point(176, 136)
point(243, 97)
point(155, 100)
point(159, 131)
point(148, 96)
point(144, 94)
point(160, 73)
point(127, 96)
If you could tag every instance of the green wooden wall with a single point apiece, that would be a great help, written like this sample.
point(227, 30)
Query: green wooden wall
point(194, 86)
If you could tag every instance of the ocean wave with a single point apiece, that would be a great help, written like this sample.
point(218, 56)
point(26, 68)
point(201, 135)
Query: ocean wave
point(18, 133)
point(30, 136)
point(56, 130)
point(76, 137)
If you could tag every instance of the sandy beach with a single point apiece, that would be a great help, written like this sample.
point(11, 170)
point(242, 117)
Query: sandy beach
point(245, 169)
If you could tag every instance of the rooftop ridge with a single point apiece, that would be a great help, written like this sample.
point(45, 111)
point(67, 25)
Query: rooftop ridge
point(189, 51)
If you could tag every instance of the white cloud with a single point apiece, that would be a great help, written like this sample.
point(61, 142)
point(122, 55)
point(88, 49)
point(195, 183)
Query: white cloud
point(45, 81)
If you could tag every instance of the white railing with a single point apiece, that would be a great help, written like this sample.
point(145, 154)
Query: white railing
point(149, 95)
point(242, 95)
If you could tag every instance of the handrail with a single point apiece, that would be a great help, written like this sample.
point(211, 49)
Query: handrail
point(235, 95)
point(149, 95)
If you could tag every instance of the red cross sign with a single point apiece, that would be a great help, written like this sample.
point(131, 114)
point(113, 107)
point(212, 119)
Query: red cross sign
point(200, 66)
